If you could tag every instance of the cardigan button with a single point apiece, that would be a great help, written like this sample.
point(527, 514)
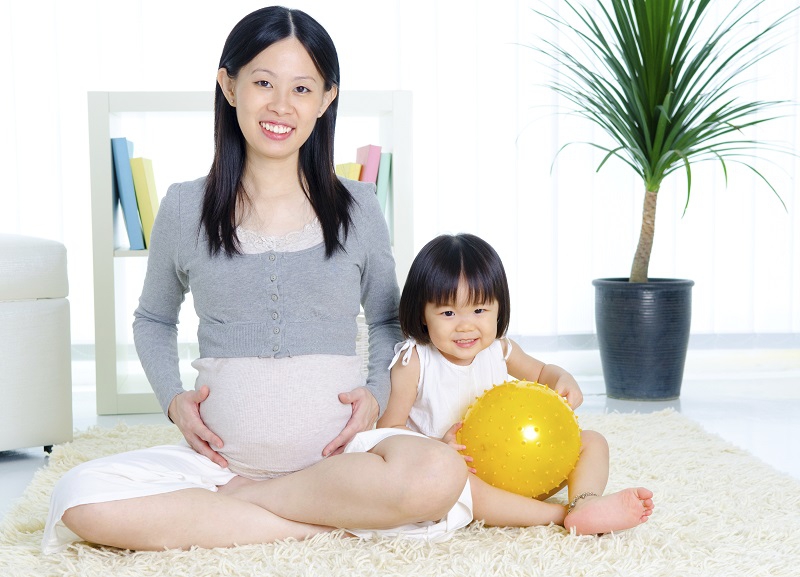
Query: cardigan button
point(274, 297)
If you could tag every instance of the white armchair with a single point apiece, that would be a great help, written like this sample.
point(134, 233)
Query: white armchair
point(35, 365)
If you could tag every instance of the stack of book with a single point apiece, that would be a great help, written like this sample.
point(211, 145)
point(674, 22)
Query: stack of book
point(135, 189)
point(371, 165)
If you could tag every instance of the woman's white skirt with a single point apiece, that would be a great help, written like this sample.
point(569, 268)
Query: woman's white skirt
point(167, 468)
point(140, 473)
point(433, 531)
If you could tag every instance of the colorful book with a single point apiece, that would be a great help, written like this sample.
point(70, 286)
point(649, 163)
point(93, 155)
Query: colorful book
point(121, 151)
point(351, 170)
point(144, 183)
point(369, 157)
point(384, 184)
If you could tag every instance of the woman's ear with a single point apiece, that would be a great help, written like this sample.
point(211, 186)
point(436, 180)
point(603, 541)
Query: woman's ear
point(226, 83)
point(327, 98)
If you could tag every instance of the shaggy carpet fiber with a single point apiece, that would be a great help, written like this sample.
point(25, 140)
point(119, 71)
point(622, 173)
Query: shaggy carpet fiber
point(719, 512)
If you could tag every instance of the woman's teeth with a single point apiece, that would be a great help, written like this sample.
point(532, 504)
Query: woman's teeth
point(276, 128)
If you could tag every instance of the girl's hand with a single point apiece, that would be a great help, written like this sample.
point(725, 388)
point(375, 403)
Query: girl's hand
point(184, 411)
point(567, 387)
point(365, 413)
point(523, 366)
point(450, 439)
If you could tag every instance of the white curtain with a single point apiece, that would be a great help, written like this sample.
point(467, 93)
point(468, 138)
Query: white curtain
point(485, 137)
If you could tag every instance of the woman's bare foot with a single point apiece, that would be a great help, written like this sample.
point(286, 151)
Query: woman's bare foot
point(615, 512)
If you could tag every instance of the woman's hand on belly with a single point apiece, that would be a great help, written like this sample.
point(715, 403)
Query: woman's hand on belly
point(365, 412)
point(184, 411)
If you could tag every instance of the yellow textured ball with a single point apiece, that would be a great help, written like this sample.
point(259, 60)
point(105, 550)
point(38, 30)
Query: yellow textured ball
point(523, 437)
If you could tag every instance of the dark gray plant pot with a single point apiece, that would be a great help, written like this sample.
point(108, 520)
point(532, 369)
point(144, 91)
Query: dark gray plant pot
point(643, 334)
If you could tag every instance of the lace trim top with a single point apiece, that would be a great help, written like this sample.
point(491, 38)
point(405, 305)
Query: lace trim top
point(253, 242)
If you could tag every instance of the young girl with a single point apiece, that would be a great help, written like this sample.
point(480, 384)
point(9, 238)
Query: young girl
point(454, 311)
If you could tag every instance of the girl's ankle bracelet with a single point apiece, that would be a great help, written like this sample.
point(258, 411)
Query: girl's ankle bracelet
point(574, 502)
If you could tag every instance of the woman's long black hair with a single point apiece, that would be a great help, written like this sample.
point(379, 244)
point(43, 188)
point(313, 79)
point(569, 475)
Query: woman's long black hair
point(328, 196)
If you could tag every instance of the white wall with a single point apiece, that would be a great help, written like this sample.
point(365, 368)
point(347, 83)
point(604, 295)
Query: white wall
point(484, 141)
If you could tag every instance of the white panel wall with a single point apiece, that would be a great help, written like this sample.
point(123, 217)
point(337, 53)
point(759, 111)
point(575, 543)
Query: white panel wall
point(484, 143)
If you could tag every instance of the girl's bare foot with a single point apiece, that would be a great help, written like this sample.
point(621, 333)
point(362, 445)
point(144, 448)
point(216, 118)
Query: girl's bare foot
point(595, 515)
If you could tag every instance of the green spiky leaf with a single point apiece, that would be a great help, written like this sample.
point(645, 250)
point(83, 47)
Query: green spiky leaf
point(660, 80)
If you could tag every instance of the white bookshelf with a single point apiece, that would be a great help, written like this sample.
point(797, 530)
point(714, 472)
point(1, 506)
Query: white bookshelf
point(121, 384)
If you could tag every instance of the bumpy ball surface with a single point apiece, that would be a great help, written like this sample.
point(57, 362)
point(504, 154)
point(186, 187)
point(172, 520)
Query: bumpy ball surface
point(523, 437)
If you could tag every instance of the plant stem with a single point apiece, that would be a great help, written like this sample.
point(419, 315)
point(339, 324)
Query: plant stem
point(641, 260)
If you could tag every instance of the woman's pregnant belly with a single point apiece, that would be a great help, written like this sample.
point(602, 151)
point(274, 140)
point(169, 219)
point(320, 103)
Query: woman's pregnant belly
point(275, 416)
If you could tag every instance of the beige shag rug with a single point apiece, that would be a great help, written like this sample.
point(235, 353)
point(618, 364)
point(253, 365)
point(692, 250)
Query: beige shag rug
point(719, 512)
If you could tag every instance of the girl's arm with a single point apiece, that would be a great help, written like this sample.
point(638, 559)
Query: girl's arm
point(405, 379)
point(523, 366)
point(403, 393)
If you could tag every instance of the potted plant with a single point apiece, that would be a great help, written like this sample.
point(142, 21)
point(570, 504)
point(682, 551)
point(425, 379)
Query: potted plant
point(662, 88)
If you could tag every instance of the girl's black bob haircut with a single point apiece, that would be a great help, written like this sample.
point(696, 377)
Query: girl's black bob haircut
point(436, 272)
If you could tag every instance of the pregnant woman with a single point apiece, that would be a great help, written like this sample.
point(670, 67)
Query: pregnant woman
point(279, 254)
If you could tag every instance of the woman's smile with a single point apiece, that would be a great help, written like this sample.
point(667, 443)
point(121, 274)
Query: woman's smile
point(278, 96)
point(276, 131)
